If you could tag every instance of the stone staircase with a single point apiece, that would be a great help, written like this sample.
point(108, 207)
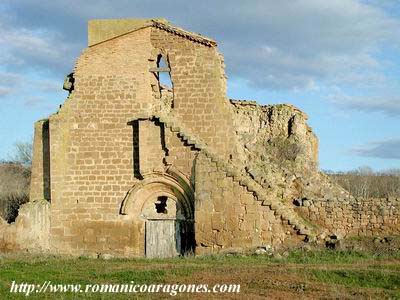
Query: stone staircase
point(285, 212)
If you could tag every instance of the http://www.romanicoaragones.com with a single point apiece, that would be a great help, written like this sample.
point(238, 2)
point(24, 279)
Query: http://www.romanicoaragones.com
point(128, 288)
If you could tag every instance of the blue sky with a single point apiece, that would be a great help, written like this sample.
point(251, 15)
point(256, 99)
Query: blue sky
point(336, 60)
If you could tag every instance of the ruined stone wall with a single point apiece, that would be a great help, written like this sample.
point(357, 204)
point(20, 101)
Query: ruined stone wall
point(160, 148)
point(92, 146)
point(121, 138)
point(30, 231)
point(199, 90)
point(40, 178)
point(280, 150)
point(151, 152)
point(275, 133)
point(229, 217)
point(353, 217)
point(180, 155)
point(93, 142)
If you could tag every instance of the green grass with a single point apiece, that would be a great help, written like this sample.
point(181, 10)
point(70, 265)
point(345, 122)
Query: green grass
point(333, 257)
point(362, 278)
point(347, 270)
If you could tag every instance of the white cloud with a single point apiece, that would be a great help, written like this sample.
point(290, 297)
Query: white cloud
point(8, 83)
point(33, 49)
point(34, 101)
point(389, 105)
point(386, 149)
point(272, 44)
point(17, 83)
point(49, 86)
point(4, 91)
point(12, 79)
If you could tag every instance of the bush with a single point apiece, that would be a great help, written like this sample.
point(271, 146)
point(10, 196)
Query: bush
point(14, 189)
point(284, 150)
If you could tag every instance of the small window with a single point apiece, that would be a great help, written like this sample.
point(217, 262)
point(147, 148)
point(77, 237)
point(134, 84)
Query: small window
point(164, 77)
point(161, 205)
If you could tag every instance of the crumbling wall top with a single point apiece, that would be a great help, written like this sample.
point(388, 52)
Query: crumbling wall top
point(101, 30)
point(251, 104)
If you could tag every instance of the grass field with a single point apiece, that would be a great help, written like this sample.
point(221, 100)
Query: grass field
point(307, 275)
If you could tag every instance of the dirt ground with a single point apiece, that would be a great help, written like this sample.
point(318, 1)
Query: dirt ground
point(357, 269)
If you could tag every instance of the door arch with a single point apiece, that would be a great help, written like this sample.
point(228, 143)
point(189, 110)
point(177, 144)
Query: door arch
point(165, 204)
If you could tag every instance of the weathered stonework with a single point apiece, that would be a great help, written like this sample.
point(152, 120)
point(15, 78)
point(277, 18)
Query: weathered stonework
point(30, 230)
point(131, 167)
point(353, 217)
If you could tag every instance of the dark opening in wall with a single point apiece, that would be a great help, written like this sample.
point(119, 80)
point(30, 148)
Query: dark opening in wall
point(161, 205)
point(46, 161)
point(162, 137)
point(135, 147)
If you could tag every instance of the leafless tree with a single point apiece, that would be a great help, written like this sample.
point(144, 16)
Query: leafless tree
point(22, 153)
point(364, 182)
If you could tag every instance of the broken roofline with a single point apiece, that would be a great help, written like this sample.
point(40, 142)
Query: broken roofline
point(102, 30)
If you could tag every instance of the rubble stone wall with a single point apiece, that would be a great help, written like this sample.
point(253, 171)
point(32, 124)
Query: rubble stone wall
point(230, 217)
point(354, 217)
point(30, 231)
point(275, 133)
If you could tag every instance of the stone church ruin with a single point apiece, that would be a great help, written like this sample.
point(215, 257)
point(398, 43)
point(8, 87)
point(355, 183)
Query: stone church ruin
point(149, 157)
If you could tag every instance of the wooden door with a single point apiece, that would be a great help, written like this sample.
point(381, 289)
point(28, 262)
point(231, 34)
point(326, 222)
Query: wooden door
point(161, 238)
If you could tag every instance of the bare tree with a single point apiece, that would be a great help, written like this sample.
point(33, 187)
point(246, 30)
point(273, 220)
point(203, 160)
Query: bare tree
point(364, 182)
point(22, 153)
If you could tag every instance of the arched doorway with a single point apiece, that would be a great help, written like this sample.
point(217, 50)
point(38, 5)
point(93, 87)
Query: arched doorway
point(165, 205)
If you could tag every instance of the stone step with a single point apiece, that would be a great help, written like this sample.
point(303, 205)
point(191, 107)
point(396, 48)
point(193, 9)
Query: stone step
point(229, 174)
point(199, 146)
point(214, 159)
point(252, 185)
point(261, 197)
point(175, 129)
point(161, 119)
point(266, 203)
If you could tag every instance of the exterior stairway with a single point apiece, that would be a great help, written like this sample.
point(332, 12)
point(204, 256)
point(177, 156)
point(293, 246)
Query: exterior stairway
point(282, 210)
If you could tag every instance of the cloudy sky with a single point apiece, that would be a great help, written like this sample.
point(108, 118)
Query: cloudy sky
point(337, 60)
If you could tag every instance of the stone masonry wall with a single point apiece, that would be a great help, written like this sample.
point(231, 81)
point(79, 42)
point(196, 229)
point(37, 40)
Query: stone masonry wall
point(92, 147)
point(199, 90)
point(179, 154)
point(119, 130)
point(92, 142)
point(40, 178)
point(151, 151)
point(229, 217)
point(354, 217)
point(30, 231)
